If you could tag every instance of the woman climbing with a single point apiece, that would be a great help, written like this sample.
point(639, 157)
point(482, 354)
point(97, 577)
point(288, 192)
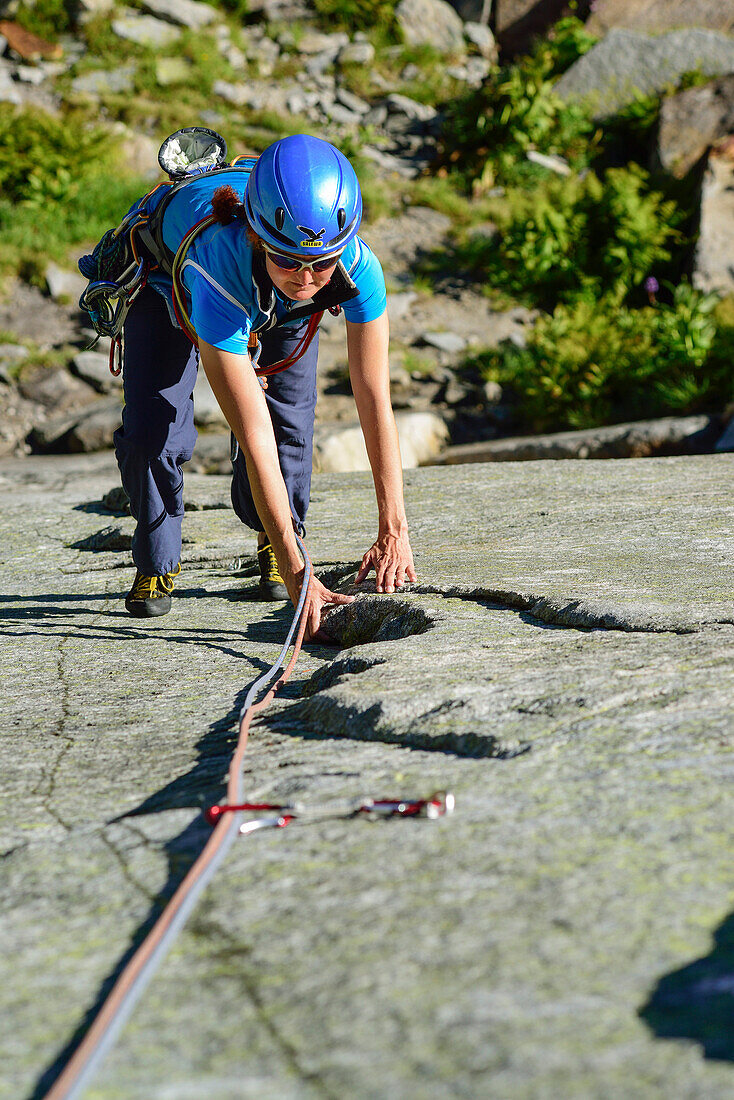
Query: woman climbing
point(270, 249)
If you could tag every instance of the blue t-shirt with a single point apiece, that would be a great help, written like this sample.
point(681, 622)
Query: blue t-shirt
point(223, 314)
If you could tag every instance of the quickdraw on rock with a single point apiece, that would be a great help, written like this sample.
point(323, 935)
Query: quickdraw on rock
point(436, 805)
point(439, 804)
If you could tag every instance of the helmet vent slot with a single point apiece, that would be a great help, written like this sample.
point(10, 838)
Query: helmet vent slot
point(280, 217)
point(341, 217)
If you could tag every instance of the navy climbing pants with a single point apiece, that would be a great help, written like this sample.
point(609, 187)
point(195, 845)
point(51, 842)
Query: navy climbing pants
point(158, 435)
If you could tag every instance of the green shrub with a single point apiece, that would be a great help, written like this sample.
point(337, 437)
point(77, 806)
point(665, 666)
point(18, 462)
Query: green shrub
point(54, 192)
point(573, 235)
point(47, 18)
point(593, 362)
point(487, 133)
point(358, 15)
point(43, 158)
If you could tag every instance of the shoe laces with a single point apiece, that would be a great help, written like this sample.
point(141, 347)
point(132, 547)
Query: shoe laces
point(147, 588)
point(271, 572)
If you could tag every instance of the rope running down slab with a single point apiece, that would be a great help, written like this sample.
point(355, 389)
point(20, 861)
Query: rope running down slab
point(130, 985)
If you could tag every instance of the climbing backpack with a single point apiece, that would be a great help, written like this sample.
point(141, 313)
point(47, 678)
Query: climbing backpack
point(118, 267)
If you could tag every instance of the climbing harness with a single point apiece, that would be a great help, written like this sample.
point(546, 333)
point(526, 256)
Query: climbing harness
point(119, 266)
point(228, 823)
point(340, 288)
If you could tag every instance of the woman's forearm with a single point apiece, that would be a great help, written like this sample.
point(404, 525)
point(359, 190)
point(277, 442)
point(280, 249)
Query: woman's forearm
point(367, 346)
point(383, 450)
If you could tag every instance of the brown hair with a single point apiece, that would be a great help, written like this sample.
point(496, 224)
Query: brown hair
point(227, 206)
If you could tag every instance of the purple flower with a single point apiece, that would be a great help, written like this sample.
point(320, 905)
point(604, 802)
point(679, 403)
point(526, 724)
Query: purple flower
point(652, 286)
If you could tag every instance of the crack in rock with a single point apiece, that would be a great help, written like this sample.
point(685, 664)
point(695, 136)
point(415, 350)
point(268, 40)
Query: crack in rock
point(441, 694)
point(377, 619)
point(335, 672)
point(49, 777)
point(210, 931)
point(574, 614)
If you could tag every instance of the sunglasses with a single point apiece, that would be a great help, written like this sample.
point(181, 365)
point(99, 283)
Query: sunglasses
point(292, 263)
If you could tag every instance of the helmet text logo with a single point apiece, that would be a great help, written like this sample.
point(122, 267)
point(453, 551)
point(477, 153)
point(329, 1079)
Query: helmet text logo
point(313, 240)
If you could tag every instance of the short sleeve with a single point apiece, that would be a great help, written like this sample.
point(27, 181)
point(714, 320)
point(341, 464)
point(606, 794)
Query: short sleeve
point(367, 274)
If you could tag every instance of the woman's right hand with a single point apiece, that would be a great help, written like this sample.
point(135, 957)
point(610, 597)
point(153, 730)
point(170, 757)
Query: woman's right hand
point(320, 599)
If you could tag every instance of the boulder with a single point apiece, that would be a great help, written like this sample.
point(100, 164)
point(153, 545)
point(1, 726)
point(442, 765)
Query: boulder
point(49, 436)
point(628, 63)
point(337, 112)
point(357, 53)
point(353, 102)
point(11, 356)
point(90, 430)
point(422, 438)
point(211, 455)
point(450, 342)
point(94, 430)
point(482, 38)
point(183, 13)
point(430, 23)
point(30, 74)
point(239, 95)
point(399, 304)
point(93, 367)
point(64, 285)
point(517, 22)
point(473, 72)
point(90, 9)
point(280, 11)
point(692, 121)
point(398, 104)
point(313, 43)
point(55, 389)
point(714, 258)
point(26, 309)
point(100, 82)
point(9, 92)
point(389, 162)
point(657, 16)
point(477, 11)
point(17, 417)
point(146, 30)
point(642, 439)
point(139, 152)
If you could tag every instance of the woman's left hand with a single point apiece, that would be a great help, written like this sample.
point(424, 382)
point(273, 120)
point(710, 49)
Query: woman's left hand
point(392, 559)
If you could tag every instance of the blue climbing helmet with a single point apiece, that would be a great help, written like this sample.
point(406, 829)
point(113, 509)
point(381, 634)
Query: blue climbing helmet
point(303, 197)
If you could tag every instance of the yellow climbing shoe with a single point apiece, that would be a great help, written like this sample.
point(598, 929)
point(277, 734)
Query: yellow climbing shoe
point(271, 583)
point(151, 596)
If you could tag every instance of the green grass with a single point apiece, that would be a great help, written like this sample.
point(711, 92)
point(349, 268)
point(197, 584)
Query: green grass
point(32, 235)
